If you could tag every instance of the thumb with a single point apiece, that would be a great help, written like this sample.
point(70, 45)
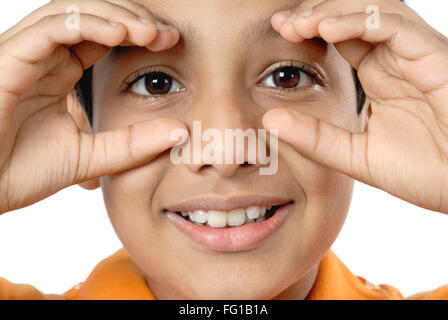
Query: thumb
point(125, 148)
point(320, 141)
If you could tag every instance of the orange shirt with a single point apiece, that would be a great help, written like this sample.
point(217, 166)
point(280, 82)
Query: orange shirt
point(118, 277)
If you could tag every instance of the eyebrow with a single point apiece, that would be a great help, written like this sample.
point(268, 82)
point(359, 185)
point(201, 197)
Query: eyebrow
point(256, 31)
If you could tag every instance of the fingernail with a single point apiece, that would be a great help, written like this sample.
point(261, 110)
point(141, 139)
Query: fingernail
point(306, 14)
point(291, 18)
point(331, 20)
point(113, 23)
point(143, 20)
point(161, 26)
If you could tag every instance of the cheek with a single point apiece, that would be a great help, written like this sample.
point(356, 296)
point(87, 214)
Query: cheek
point(327, 196)
point(328, 203)
point(128, 197)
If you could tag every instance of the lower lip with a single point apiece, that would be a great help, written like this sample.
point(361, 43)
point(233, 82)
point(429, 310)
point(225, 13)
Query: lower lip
point(246, 237)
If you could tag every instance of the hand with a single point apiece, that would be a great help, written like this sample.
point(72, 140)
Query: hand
point(403, 68)
point(42, 150)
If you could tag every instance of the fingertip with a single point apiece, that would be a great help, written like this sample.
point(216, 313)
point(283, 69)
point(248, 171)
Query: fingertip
point(144, 38)
point(176, 36)
point(116, 25)
point(277, 118)
point(279, 18)
point(178, 133)
point(143, 20)
point(327, 31)
point(288, 32)
point(161, 26)
point(180, 136)
point(166, 127)
point(121, 30)
point(166, 38)
point(155, 136)
point(152, 33)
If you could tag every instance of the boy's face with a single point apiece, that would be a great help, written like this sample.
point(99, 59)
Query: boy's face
point(223, 66)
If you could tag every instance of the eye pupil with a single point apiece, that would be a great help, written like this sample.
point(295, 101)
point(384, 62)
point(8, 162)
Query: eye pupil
point(158, 83)
point(287, 77)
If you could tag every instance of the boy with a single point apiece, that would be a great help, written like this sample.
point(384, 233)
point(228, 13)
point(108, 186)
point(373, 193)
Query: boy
point(268, 64)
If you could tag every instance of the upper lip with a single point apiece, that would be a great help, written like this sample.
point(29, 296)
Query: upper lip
point(226, 204)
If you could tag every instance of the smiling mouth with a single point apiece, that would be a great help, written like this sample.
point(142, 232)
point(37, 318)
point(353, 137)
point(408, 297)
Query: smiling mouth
point(230, 225)
point(229, 219)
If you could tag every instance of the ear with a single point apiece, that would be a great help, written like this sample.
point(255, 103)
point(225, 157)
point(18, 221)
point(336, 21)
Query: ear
point(80, 117)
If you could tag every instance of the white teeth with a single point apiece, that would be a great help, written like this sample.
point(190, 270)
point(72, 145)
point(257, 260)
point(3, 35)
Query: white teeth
point(200, 216)
point(236, 217)
point(220, 219)
point(217, 219)
point(253, 212)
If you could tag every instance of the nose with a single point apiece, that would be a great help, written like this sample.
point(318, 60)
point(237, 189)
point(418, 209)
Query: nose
point(223, 132)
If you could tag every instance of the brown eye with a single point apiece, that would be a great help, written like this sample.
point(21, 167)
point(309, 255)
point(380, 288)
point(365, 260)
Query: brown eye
point(155, 84)
point(158, 83)
point(287, 78)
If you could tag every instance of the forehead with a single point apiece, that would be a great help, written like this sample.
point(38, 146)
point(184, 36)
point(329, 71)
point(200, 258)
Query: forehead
point(214, 16)
point(207, 8)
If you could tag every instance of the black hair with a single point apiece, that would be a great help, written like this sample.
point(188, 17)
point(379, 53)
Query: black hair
point(84, 92)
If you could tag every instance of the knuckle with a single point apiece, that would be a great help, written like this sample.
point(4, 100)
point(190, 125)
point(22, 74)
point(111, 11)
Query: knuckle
point(126, 12)
point(73, 73)
point(61, 54)
point(142, 9)
point(77, 69)
point(47, 20)
point(57, 3)
point(399, 19)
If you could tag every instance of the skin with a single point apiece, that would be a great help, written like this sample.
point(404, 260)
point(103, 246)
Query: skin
point(222, 89)
point(222, 92)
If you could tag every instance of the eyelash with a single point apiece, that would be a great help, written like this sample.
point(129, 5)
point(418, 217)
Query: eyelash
point(311, 72)
point(140, 75)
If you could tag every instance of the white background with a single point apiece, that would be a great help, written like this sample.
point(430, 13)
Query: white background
point(55, 243)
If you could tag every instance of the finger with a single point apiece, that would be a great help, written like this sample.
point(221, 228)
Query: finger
point(134, 7)
point(141, 29)
point(166, 38)
point(354, 51)
point(89, 52)
point(415, 48)
point(57, 82)
point(22, 58)
point(282, 23)
point(321, 141)
point(280, 17)
point(140, 24)
point(308, 15)
point(111, 152)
